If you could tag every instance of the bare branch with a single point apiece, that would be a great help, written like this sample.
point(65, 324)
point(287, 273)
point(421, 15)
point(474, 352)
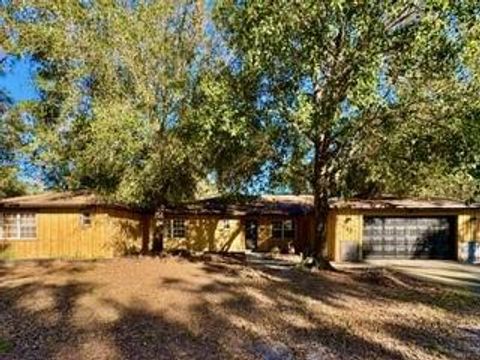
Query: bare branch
point(407, 16)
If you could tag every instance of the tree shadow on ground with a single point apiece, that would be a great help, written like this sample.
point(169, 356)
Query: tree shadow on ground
point(241, 314)
point(434, 340)
point(139, 333)
point(39, 330)
point(236, 312)
point(45, 267)
point(380, 288)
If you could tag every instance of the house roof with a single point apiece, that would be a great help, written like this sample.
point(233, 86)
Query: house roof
point(401, 203)
point(283, 205)
point(69, 199)
point(292, 205)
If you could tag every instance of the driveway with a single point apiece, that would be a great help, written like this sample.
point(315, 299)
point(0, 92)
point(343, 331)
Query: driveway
point(441, 271)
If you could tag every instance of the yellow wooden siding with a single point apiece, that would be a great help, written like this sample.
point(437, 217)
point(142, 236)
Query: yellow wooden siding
point(209, 233)
point(469, 226)
point(344, 227)
point(61, 235)
point(126, 233)
point(264, 234)
point(468, 233)
point(232, 238)
point(331, 234)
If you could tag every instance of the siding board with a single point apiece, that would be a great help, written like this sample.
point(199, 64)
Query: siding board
point(207, 233)
point(60, 235)
point(469, 236)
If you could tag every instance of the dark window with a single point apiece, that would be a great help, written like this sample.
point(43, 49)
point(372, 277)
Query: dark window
point(288, 229)
point(283, 229)
point(277, 229)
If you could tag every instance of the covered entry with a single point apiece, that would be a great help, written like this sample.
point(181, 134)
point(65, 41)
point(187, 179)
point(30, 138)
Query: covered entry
point(409, 237)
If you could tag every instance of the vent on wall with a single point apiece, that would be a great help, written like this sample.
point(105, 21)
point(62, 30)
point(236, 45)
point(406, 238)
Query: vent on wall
point(86, 219)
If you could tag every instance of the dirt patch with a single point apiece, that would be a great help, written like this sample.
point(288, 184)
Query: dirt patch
point(221, 308)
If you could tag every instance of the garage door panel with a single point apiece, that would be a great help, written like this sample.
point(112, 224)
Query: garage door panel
point(408, 237)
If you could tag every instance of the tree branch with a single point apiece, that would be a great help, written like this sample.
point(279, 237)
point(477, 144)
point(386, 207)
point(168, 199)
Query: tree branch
point(406, 14)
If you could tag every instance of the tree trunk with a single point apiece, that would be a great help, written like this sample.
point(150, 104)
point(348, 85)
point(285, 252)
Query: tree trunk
point(320, 238)
point(158, 229)
point(321, 192)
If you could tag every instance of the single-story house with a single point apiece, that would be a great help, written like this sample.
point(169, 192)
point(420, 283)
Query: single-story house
point(240, 224)
point(356, 229)
point(68, 225)
point(79, 225)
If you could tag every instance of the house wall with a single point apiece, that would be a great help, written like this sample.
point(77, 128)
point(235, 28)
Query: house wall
point(118, 232)
point(331, 234)
point(469, 236)
point(61, 235)
point(305, 234)
point(129, 232)
point(207, 233)
point(346, 234)
point(266, 242)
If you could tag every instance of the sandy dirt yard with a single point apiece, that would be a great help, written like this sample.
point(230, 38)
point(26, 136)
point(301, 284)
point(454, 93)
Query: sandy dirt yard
point(225, 308)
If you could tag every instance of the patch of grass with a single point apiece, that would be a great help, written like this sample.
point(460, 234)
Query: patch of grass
point(5, 346)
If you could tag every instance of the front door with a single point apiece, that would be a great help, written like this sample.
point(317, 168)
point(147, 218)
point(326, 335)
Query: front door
point(251, 235)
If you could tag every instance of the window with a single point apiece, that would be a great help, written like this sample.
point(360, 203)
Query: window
point(86, 219)
point(18, 226)
point(176, 229)
point(283, 229)
point(288, 229)
point(277, 229)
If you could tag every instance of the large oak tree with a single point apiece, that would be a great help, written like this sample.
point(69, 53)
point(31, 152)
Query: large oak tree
point(352, 84)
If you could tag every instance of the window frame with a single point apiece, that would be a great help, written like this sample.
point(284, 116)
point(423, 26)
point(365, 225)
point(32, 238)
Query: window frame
point(277, 226)
point(18, 226)
point(171, 228)
point(282, 229)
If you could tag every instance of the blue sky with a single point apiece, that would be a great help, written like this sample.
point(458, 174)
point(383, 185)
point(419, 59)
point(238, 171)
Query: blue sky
point(18, 79)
